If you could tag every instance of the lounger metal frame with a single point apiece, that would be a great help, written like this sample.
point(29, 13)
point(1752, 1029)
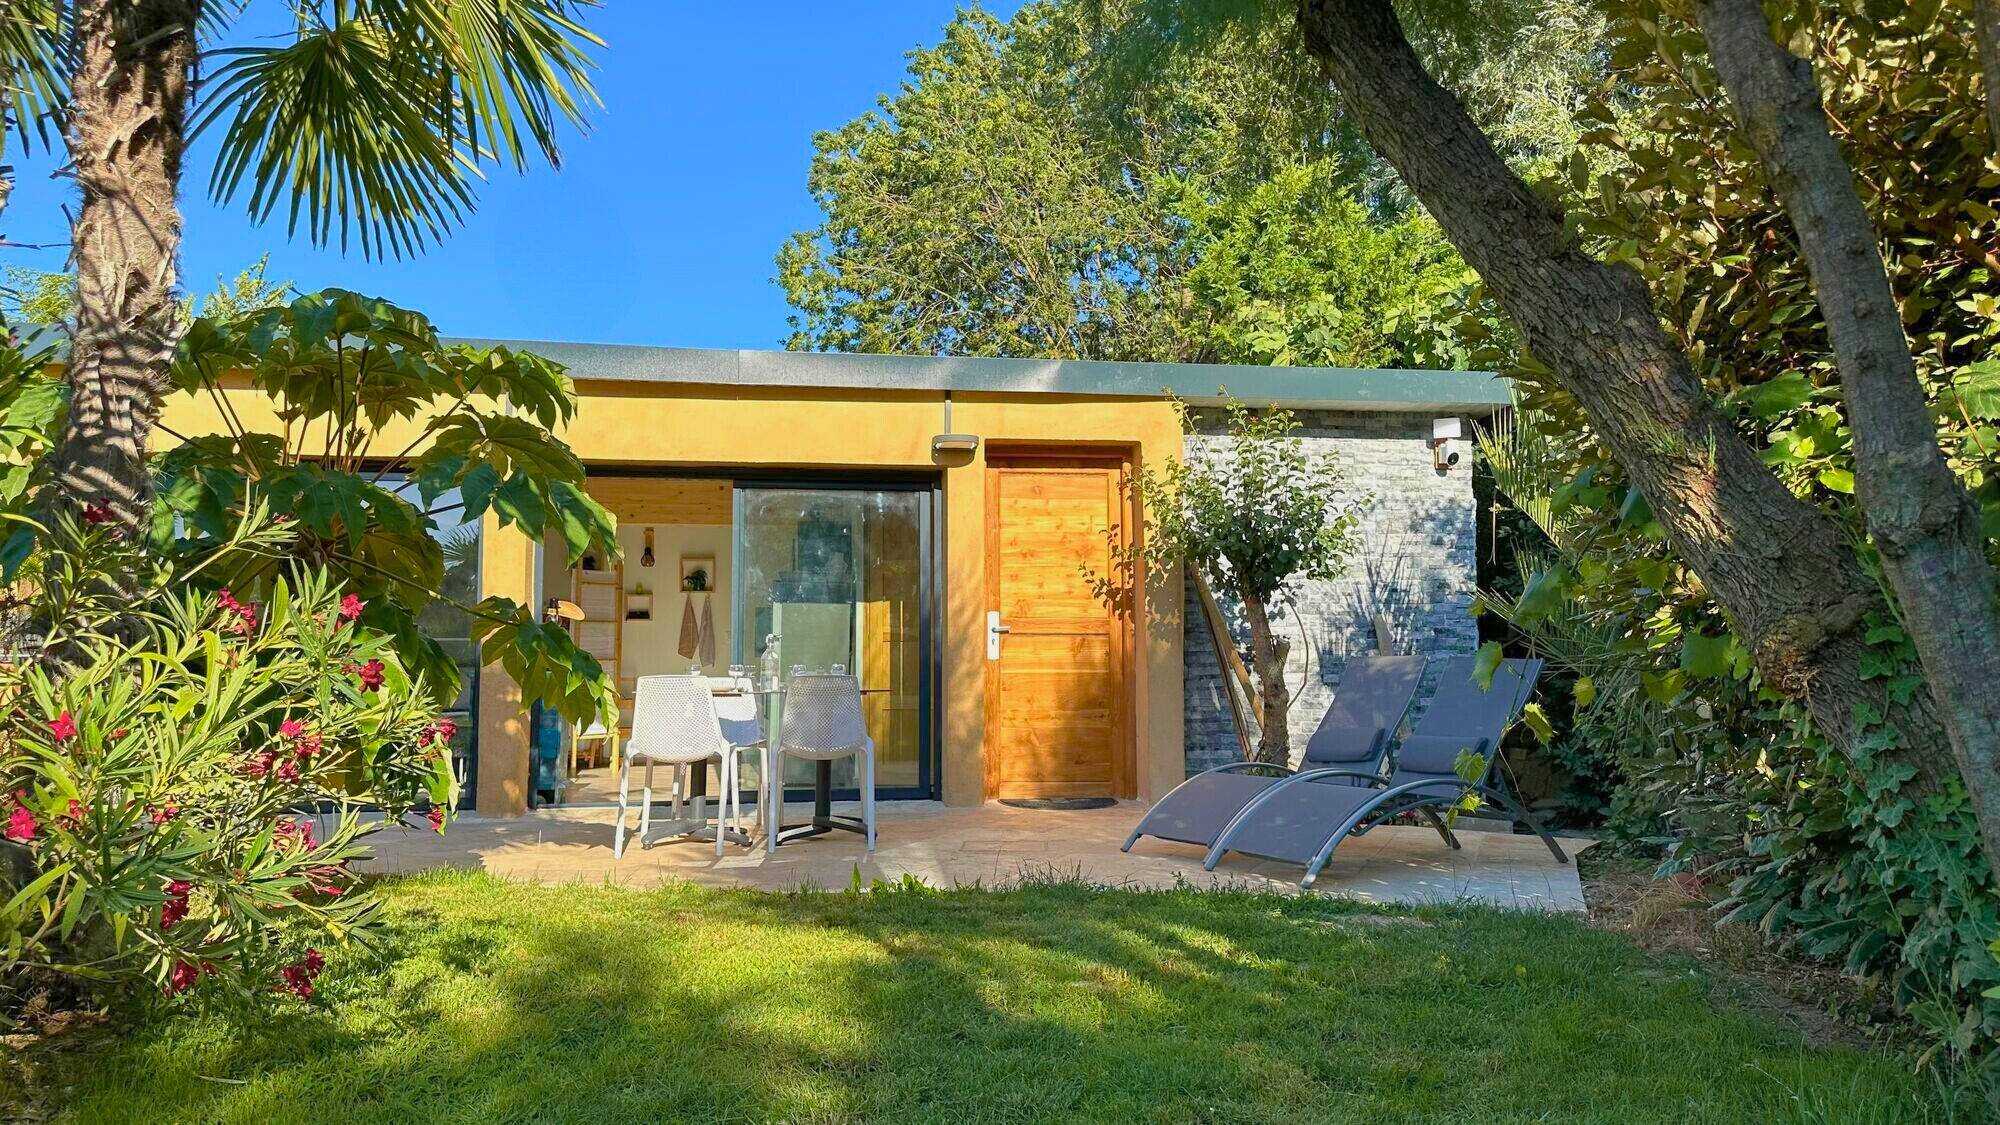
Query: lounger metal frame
point(1392, 801)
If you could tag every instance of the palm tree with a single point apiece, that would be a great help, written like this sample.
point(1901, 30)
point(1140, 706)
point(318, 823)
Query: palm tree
point(372, 121)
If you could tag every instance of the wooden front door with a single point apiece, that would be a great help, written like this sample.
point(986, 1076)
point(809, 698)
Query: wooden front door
point(1057, 703)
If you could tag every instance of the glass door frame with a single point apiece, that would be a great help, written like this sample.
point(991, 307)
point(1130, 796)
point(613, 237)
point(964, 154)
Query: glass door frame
point(929, 490)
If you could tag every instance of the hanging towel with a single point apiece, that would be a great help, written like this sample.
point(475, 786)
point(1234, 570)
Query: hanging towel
point(690, 630)
point(707, 631)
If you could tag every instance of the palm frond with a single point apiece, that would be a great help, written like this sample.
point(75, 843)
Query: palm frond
point(517, 68)
point(35, 67)
point(373, 121)
point(1529, 467)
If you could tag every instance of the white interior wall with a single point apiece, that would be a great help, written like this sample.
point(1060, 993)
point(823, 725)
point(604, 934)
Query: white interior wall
point(652, 646)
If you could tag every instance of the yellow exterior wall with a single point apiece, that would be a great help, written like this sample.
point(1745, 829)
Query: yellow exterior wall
point(636, 424)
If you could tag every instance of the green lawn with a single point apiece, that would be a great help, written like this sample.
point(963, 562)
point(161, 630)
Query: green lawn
point(506, 1002)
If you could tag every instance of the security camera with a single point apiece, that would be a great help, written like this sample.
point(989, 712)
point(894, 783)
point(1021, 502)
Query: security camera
point(1446, 444)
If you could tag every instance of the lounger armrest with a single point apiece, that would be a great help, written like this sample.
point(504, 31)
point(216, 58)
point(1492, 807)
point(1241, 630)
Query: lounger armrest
point(1243, 767)
point(1334, 771)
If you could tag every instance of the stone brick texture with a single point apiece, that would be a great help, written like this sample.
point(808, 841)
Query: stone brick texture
point(1413, 565)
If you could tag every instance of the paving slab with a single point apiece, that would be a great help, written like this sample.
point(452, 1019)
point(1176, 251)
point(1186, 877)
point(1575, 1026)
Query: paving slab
point(989, 845)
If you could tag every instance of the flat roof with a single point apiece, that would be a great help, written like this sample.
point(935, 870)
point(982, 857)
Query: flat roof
point(1306, 388)
point(1316, 388)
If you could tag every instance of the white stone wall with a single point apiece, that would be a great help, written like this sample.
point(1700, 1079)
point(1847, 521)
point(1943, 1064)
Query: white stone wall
point(1415, 563)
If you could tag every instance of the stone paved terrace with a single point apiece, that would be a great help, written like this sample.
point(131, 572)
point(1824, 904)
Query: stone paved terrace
point(992, 845)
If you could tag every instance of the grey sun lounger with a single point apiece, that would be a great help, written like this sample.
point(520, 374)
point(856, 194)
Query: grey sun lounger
point(1353, 736)
point(1302, 818)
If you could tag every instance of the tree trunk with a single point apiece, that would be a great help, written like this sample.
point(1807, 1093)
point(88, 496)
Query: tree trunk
point(1781, 567)
point(1923, 523)
point(1267, 657)
point(1986, 19)
point(127, 123)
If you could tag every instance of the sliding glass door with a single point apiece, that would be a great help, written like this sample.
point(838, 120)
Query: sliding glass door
point(837, 577)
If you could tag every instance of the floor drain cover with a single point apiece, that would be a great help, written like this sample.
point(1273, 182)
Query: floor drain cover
point(1060, 804)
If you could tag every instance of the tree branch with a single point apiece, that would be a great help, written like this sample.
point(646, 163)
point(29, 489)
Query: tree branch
point(1927, 528)
point(1783, 569)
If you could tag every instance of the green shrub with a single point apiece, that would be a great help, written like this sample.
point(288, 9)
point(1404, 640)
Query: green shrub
point(187, 768)
point(1834, 856)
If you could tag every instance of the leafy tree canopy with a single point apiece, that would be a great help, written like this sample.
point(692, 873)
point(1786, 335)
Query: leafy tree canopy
point(1018, 196)
point(41, 297)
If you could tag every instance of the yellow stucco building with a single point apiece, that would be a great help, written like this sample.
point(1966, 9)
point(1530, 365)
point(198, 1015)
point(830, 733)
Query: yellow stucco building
point(946, 529)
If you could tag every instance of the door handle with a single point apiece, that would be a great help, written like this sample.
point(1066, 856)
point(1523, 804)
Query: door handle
point(993, 631)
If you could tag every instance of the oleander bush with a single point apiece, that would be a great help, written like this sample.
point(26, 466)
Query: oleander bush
point(186, 762)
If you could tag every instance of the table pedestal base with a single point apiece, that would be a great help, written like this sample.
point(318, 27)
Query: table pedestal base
point(823, 821)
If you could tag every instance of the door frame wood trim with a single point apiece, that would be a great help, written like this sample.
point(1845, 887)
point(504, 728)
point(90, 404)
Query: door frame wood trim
point(1122, 508)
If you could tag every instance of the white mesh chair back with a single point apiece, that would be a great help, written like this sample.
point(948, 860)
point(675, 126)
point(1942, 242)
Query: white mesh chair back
point(741, 717)
point(673, 720)
point(823, 717)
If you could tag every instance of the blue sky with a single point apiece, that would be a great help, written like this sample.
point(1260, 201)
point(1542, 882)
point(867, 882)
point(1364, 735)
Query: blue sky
point(662, 225)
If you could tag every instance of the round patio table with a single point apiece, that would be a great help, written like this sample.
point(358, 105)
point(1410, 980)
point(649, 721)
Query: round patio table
point(770, 701)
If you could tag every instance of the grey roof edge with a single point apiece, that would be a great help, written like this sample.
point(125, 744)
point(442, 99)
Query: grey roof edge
point(1382, 389)
point(1313, 388)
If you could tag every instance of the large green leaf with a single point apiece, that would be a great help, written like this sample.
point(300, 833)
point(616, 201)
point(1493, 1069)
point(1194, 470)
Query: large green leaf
point(543, 660)
point(1976, 389)
point(1781, 395)
point(1486, 663)
point(1704, 657)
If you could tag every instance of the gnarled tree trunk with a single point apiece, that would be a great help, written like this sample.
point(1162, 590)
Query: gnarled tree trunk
point(1925, 526)
point(1268, 652)
point(127, 132)
point(1782, 568)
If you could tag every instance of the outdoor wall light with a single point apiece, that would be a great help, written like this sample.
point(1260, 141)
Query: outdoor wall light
point(1445, 443)
point(954, 443)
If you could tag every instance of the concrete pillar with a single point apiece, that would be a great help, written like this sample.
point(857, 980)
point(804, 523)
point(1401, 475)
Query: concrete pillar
point(506, 569)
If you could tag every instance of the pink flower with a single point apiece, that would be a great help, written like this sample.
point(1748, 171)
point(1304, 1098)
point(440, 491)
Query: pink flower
point(166, 813)
point(307, 747)
point(291, 728)
point(245, 614)
point(350, 607)
point(370, 674)
point(260, 763)
point(435, 815)
point(179, 888)
point(183, 976)
point(62, 728)
point(297, 977)
point(444, 730)
point(96, 513)
point(21, 825)
point(299, 832)
point(332, 890)
point(171, 912)
point(121, 732)
point(72, 814)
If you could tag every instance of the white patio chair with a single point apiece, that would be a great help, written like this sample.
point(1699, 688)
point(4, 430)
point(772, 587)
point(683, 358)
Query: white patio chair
point(823, 723)
point(674, 724)
point(742, 720)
